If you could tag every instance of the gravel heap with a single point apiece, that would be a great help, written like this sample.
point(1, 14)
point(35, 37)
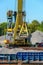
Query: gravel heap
point(37, 37)
point(4, 50)
point(15, 50)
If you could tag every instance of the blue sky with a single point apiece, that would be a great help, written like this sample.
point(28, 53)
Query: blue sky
point(33, 8)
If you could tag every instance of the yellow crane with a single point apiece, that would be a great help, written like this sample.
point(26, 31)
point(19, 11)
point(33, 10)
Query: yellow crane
point(20, 26)
point(20, 32)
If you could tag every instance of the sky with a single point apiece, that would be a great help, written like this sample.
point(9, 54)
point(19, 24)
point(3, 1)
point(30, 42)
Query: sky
point(33, 8)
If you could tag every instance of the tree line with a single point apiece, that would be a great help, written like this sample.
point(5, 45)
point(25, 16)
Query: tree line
point(32, 27)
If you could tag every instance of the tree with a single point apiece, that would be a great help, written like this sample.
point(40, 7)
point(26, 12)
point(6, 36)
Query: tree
point(41, 26)
point(3, 26)
point(1, 31)
point(33, 26)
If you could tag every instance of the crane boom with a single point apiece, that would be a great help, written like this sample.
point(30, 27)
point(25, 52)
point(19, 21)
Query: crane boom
point(19, 17)
point(20, 5)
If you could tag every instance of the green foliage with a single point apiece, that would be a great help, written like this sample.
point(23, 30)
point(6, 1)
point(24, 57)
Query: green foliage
point(32, 27)
point(1, 31)
point(41, 26)
point(3, 26)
